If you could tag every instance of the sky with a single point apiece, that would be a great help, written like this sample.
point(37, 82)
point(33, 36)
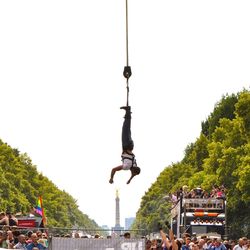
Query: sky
point(61, 87)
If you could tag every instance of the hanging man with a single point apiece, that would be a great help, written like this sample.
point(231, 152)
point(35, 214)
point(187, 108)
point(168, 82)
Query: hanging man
point(128, 158)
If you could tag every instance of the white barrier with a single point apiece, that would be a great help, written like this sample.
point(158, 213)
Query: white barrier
point(92, 244)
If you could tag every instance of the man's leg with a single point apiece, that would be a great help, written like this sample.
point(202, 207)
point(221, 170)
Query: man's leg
point(127, 142)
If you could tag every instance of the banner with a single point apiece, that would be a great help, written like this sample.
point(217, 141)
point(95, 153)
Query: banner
point(92, 244)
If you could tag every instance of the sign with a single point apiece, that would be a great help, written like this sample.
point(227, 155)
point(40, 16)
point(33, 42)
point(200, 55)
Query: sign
point(26, 223)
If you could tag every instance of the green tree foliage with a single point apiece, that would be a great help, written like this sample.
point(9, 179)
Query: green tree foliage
point(243, 110)
point(223, 109)
point(21, 185)
point(220, 156)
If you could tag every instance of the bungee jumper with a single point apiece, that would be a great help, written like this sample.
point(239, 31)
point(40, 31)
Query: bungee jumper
point(128, 157)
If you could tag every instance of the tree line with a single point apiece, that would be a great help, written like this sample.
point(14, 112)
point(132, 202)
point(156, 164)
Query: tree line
point(219, 156)
point(21, 184)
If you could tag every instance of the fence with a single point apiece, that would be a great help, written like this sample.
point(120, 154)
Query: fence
point(84, 239)
point(92, 244)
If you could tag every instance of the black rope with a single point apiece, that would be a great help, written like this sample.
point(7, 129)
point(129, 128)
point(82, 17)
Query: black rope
point(127, 93)
point(127, 31)
point(127, 69)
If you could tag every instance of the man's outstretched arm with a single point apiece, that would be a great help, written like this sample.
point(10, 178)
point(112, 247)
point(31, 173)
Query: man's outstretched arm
point(131, 177)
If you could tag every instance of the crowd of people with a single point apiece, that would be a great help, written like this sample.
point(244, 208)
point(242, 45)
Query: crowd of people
point(13, 238)
point(217, 192)
point(170, 242)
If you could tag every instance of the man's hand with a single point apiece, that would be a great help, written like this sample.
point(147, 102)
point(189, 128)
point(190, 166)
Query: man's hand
point(129, 180)
point(132, 176)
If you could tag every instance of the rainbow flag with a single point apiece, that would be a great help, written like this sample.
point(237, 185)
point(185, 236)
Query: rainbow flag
point(39, 209)
point(39, 206)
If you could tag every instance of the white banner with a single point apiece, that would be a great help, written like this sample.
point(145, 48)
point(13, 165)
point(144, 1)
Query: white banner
point(100, 244)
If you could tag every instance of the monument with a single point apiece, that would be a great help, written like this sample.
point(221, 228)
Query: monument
point(117, 229)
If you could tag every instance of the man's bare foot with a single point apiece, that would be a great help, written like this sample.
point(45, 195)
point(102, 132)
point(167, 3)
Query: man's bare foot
point(111, 181)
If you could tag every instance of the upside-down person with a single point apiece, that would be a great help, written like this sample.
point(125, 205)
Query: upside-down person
point(128, 158)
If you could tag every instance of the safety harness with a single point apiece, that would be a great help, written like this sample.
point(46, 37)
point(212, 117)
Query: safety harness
point(130, 157)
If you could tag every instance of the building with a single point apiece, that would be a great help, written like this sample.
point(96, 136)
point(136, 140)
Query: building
point(105, 227)
point(128, 222)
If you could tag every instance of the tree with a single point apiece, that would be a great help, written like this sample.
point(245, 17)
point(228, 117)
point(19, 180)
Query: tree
point(221, 155)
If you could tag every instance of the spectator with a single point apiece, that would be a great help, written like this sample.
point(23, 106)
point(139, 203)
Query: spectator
point(174, 198)
point(213, 193)
point(42, 238)
point(21, 242)
point(10, 239)
point(227, 245)
point(127, 235)
point(29, 240)
point(166, 242)
point(16, 233)
point(4, 242)
point(179, 193)
point(248, 244)
point(76, 235)
point(170, 243)
point(192, 194)
point(4, 220)
point(186, 245)
point(232, 243)
point(220, 193)
point(245, 241)
point(205, 195)
point(12, 219)
point(240, 245)
point(185, 191)
point(198, 192)
point(153, 244)
point(35, 243)
point(202, 244)
point(45, 236)
point(216, 245)
point(148, 245)
point(97, 236)
point(1, 238)
point(39, 234)
point(195, 246)
point(194, 239)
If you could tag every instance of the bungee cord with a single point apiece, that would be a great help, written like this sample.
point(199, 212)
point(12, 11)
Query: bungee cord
point(127, 69)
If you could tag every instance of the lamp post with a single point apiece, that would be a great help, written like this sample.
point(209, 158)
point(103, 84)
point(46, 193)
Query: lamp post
point(226, 226)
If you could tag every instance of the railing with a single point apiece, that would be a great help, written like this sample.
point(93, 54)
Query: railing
point(84, 238)
point(98, 244)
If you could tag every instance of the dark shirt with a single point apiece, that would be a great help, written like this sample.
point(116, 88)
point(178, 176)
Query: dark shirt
point(185, 247)
point(12, 222)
